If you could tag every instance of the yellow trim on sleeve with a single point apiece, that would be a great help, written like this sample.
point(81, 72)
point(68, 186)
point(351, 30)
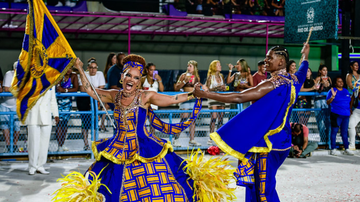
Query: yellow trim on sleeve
point(227, 149)
point(166, 147)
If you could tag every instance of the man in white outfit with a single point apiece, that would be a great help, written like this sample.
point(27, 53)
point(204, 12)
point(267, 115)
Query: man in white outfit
point(39, 124)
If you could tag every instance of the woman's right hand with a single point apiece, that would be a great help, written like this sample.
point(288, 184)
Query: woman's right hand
point(78, 64)
point(187, 79)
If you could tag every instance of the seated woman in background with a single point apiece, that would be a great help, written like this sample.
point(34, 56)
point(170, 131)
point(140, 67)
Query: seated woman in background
point(339, 98)
point(68, 84)
point(215, 82)
point(186, 82)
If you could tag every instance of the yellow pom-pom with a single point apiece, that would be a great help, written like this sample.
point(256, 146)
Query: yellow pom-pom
point(76, 187)
point(211, 177)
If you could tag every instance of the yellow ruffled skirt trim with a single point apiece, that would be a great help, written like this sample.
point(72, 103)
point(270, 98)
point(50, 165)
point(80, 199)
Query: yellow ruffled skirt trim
point(166, 147)
point(227, 149)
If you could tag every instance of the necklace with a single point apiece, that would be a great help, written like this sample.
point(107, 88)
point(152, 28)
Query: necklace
point(128, 94)
point(281, 72)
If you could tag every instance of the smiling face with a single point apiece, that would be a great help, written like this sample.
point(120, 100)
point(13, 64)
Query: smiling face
point(92, 68)
point(274, 62)
point(238, 65)
point(292, 69)
point(131, 79)
point(261, 68)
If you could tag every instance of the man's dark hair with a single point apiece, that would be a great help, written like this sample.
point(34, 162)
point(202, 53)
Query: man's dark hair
point(335, 80)
point(280, 50)
point(119, 57)
point(296, 127)
point(261, 62)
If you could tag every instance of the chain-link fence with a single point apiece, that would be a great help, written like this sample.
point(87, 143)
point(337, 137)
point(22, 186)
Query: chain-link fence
point(77, 129)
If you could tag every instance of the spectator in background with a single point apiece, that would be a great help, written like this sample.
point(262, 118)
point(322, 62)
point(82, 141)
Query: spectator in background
point(1, 80)
point(97, 79)
point(353, 78)
point(323, 85)
point(114, 73)
point(260, 75)
point(39, 124)
point(186, 82)
point(305, 101)
point(68, 84)
point(180, 5)
point(215, 82)
point(207, 6)
point(354, 118)
point(250, 7)
point(199, 7)
point(291, 67)
point(152, 81)
point(242, 80)
point(8, 104)
point(110, 61)
point(339, 100)
point(300, 145)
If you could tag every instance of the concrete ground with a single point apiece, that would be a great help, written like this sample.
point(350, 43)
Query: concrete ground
point(318, 178)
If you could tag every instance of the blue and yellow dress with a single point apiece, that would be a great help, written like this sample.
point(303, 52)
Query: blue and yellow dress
point(138, 165)
point(264, 140)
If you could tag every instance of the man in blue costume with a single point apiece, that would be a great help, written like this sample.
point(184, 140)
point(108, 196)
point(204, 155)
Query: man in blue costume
point(264, 140)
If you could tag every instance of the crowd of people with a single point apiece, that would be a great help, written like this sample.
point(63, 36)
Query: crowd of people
point(221, 7)
point(328, 119)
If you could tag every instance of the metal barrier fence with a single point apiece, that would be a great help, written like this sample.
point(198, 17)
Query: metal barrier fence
point(77, 128)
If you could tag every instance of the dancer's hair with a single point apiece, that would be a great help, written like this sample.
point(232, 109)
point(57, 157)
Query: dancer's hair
point(134, 58)
point(280, 50)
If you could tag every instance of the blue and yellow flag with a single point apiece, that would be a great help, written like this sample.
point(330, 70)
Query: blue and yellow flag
point(44, 59)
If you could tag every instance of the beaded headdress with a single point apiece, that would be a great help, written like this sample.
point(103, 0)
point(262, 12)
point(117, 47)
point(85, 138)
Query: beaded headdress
point(132, 64)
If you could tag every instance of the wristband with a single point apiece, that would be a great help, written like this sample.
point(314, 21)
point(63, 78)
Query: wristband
point(230, 70)
point(160, 81)
point(184, 82)
point(66, 90)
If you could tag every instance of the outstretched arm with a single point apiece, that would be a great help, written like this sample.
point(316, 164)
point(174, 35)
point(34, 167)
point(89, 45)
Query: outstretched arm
point(251, 94)
point(106, 96)
point(166, 100)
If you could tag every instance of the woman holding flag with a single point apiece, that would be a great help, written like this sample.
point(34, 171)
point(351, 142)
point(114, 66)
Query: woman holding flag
point(135, 165)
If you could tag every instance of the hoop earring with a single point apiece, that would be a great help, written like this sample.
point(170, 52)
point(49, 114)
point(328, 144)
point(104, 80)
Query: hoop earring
point(120, 81)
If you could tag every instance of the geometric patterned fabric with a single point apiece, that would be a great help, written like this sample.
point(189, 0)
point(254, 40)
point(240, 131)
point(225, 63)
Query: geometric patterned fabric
point(151, 182)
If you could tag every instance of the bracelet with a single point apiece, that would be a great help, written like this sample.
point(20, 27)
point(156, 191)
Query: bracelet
point(184, 82)
point(190, 96)
point(230, 70)
point(160, 81)
point(66, 90)
point(332, 97)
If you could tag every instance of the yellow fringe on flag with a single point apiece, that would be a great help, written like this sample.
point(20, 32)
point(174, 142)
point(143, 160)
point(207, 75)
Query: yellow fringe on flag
point(211, 177)
point(77, 188)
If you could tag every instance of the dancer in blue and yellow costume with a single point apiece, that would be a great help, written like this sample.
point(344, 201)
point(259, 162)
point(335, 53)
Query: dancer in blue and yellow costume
point(264, 140)
point(134, 164)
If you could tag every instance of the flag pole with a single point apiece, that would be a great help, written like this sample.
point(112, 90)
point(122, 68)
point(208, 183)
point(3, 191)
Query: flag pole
point(307, 41)
point(102, 104)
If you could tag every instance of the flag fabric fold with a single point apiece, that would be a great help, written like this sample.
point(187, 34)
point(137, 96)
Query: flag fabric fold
point(44, 59)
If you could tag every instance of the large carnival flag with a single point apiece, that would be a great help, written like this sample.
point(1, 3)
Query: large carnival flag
point(44, 59)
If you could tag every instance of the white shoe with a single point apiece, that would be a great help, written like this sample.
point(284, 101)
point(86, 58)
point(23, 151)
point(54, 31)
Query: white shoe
point(42, 171)
point(32, 171)
point(334, 152)
point(209, 142)
point(349, 152)
point(194, 143)
point(176, 143)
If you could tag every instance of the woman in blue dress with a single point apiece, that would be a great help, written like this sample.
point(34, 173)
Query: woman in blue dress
point(134, 164)
point(264, 140)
